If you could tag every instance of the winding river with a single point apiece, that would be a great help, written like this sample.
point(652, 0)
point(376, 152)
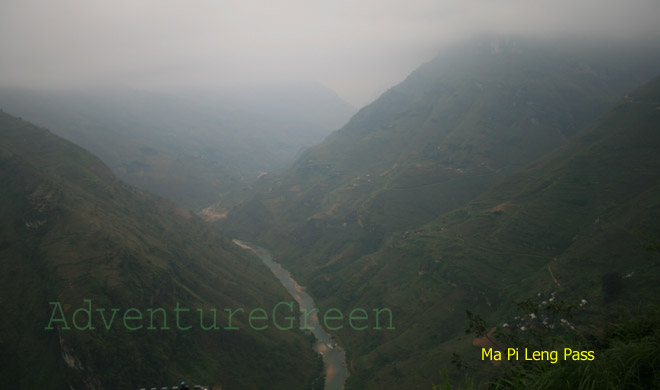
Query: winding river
point(334, 358)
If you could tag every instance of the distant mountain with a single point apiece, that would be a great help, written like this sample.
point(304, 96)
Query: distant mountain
point(71, 231)
point(313, 105)
point(348, 218)
point(190, 147)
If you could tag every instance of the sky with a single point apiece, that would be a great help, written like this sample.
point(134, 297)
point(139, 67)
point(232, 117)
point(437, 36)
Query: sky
point(358, 48)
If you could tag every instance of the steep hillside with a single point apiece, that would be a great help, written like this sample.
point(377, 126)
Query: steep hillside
point(443, 148)
point(71, 231)
point(190, 147)
point(452, 129)
point(574, 225)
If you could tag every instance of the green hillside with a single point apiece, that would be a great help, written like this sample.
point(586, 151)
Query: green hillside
point(72, 231)
point(425, 201)
point(456, 126)
point(576, 224)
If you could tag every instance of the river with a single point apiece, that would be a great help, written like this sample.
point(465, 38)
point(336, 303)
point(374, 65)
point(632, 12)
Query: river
point(334, 357)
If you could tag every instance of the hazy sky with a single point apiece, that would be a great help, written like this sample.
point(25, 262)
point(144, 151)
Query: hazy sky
point(359, 48)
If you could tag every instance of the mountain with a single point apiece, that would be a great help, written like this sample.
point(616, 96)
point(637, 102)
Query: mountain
point(574, 224)
point(190, 147)
point(407, 206)
point(456, 126)
point(72, 232)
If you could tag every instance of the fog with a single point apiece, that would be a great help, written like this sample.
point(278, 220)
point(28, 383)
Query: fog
point(358, 48)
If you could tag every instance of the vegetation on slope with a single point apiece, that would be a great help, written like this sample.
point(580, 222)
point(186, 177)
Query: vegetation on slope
point(452, 129)
point(627, 357)
point(71, 231)
point(570, 224)
point(549, 354)
point(441, 149)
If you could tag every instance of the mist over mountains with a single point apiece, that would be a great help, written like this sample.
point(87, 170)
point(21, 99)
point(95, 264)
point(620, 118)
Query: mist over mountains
point(457, 125)
point(500, 192)
point(191, 147)
point(397, 208)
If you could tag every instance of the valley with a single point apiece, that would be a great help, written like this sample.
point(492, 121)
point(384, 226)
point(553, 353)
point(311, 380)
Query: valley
point(334, 358)
point(192, 147)
point(502, 197)
point(376, 217)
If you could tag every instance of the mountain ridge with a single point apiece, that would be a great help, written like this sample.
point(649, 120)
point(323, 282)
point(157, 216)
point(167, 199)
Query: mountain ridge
point(72, 231)
point(455, 126)
point(527, 236)
point(379, 214)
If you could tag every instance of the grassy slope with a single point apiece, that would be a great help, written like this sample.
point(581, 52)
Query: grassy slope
point(626, 358)
point(577, 213)
point(453, 129)
point(71, 230)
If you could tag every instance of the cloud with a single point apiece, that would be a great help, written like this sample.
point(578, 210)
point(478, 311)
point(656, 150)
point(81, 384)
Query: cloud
point(357, 47)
